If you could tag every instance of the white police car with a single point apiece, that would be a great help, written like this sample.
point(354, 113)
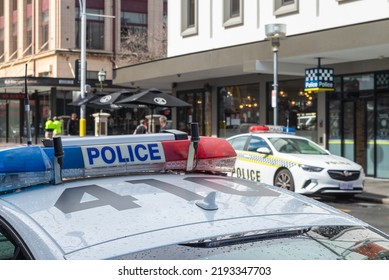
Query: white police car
point(294, 163)
point(143, 197)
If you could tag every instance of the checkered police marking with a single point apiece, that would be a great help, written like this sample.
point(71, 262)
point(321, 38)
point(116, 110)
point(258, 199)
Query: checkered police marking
point(319, 79)
point(265, 160)
point(382, 81)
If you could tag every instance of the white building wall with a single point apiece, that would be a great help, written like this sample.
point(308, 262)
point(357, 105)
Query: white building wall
point(311, 16)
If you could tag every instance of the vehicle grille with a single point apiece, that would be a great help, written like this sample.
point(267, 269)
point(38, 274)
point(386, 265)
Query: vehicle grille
point(344, 175)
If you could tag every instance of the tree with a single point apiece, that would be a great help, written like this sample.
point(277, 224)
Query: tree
point(139, 46)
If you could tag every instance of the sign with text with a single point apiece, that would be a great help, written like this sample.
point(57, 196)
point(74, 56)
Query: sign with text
point(319, 79)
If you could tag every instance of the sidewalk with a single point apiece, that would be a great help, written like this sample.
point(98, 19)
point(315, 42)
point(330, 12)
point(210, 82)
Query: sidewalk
point(375, 190)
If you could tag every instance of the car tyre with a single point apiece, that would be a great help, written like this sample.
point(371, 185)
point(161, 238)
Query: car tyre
point(284, 179)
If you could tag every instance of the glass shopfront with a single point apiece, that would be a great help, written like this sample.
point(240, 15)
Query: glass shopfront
point(238, 109)
point(358, 117)
point(296, 108)
point(200, 111)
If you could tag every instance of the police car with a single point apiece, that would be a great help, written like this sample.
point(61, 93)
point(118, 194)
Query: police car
point(269, 155)
point(161, 196)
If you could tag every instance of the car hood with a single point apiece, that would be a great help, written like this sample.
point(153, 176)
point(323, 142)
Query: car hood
point(325, 161)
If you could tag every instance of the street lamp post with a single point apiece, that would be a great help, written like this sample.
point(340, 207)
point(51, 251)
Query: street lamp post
point(275, 32)
point(83, 67)
point(101, 75)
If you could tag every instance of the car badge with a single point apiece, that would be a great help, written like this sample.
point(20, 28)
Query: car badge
point(347, 173)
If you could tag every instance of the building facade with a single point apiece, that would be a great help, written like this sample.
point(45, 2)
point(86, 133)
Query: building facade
point(220, 61)
point(40, 42)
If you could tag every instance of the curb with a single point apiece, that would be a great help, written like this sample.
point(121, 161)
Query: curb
point(373, 198)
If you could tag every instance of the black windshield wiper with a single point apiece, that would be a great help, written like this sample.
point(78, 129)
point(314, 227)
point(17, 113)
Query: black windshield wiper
point(245, 238)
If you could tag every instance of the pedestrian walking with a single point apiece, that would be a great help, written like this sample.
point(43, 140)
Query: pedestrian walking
point(141, 128)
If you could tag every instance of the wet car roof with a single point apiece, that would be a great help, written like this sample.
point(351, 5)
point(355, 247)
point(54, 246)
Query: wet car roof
point(109, 217)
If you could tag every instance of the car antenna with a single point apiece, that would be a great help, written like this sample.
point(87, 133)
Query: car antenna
point(27, 109)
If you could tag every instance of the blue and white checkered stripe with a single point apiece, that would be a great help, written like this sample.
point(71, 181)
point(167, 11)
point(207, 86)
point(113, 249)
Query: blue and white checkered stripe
point(319, 74)
point(265, 159)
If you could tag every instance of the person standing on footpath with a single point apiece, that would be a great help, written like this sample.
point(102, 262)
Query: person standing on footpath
point(57, 126)
point(141, 128)
point(49, 128)
point(72, 125)
point(163, 123)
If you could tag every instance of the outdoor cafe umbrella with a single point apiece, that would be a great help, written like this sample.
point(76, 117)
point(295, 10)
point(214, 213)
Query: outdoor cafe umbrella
point(154, 98)
point(112, 98)
point(89, 101)
point(104, 101)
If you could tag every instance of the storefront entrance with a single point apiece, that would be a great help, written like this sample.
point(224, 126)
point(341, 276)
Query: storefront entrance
point(358, 118)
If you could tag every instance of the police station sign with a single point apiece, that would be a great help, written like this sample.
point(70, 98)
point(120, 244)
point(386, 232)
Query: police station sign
point(319, 79)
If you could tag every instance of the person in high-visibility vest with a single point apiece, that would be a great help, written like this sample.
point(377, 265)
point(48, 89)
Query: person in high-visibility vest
point(57, 126)
point(49, 128)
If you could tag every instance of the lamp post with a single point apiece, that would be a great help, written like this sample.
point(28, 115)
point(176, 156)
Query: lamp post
point(101, 75)
point(275, 32)
point(83, 87)
point(83, 67)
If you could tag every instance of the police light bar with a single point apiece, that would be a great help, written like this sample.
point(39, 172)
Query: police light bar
point(271, 128)
point(112, 155)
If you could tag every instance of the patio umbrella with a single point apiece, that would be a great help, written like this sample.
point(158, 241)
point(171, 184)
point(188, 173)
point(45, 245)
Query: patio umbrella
point(112, 99)
point(153, 98)
point(90, 102)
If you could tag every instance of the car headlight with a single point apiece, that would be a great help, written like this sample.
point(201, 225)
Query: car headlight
point(309, 168)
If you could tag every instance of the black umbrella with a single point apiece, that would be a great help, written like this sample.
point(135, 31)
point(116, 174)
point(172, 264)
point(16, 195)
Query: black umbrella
point(84, 101)
point(153, 98)
point(112, 99)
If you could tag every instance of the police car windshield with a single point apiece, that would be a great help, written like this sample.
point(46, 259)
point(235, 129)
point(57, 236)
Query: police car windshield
point(296, 146)
point(324, 242)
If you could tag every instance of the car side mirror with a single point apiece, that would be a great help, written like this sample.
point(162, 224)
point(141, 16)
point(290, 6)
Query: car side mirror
point(264, 150)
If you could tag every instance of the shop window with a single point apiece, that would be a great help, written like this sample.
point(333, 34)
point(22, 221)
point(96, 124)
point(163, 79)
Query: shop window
point(44, 25)
point(233, 12)
point(189, 14)
point(94, 26)
point(282, 7)
point(357, 86)
point(238, 109)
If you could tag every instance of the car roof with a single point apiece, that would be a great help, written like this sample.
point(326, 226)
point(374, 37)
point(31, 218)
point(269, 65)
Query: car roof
point(269, 135)
point(110, 217)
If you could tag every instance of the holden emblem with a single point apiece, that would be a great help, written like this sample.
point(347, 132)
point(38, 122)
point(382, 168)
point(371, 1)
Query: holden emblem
point(347, 173)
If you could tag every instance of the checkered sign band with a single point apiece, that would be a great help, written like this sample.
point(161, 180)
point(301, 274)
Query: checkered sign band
point(382, 80)
point(319, 74)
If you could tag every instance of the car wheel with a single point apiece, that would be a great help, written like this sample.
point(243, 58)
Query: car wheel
point(284, 179)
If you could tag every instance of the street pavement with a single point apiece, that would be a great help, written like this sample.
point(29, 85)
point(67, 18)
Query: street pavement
point(375, 190)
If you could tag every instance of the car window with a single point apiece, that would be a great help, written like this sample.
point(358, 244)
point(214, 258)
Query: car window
point(238, 143)
point(11, 247)
point(255, 143)
point(7, 248)
point(297, 146)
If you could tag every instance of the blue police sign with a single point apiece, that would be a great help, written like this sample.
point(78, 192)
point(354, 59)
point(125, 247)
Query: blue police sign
point(319, 79)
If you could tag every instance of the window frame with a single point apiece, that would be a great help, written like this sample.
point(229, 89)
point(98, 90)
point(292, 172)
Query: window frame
point(230, 20)
point(21, 250)
point(187, 29)
point(281, 8)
